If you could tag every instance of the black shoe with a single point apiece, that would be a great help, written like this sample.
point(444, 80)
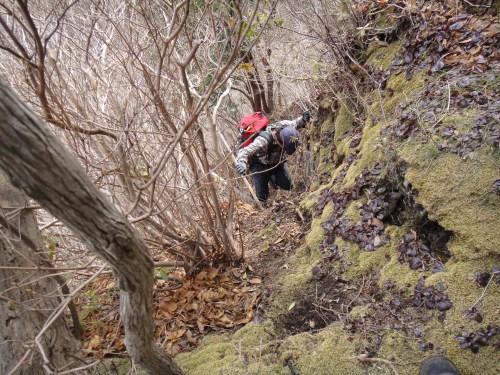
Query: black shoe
point(438, 365)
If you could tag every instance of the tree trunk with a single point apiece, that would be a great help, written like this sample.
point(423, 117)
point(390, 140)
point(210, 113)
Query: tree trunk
point(37, 163)
point(25, 305)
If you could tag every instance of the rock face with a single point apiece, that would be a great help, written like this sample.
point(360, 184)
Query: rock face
point(402, 257)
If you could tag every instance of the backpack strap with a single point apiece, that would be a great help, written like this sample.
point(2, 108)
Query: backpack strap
point(270, 140)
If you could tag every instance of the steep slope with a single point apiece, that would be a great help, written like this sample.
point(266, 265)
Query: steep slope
point(401, 257)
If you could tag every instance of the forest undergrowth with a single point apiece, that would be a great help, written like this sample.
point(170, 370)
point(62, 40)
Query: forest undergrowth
point(218, 298)
point(391, 246)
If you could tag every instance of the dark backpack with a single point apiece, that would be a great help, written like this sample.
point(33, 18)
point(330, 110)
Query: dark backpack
point(250, 126)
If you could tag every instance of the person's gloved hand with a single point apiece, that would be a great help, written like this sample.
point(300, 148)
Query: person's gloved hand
point(241, 168)
point(306, 116)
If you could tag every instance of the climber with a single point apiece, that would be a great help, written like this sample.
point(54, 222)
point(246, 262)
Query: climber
point(265, 157)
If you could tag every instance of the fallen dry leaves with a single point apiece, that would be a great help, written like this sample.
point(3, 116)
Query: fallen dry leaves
point(447, 33)
point(214, 299)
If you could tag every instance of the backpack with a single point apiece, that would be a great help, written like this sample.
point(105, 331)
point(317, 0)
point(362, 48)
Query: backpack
point(250, 126)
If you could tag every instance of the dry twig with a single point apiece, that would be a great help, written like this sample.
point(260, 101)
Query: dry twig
point(363, 358)
point(482, 294)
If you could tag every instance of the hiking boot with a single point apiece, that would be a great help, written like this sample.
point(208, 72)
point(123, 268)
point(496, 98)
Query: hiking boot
point(438, 365)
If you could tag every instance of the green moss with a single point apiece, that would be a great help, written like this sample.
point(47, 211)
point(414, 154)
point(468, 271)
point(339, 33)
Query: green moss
point(328, 125)
point(253, 334)
point(248, 351)
point(403, 351)
point(254, 350)
point(326, 157)
point(460, 121)
point(359, 312)
point(307, 204)
point(336, 174)
point(315, 235)
point(382, 57)
point(326, 104)
point(344, 122)
point(297, 280)
point(370, 151)
point(457, 193)
point(371, 261)
point(352, 210)
point(372, 147)
point(385, 106)
point(464, 293)
point(401, 274)
point(310, 200)
point(324, 353)
point(432, 151)
point(351, 252)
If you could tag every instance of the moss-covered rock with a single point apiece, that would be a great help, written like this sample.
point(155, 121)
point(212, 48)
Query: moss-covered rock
point(458, 194)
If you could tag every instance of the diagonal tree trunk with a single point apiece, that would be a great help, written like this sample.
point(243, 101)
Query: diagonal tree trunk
point(38, 164)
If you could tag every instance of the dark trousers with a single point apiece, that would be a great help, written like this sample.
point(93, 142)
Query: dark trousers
point(263, 173)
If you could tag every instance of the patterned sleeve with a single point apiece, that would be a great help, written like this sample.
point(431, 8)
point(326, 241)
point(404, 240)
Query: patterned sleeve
point(237, 144)
point(297, 123)
point(257, 148)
